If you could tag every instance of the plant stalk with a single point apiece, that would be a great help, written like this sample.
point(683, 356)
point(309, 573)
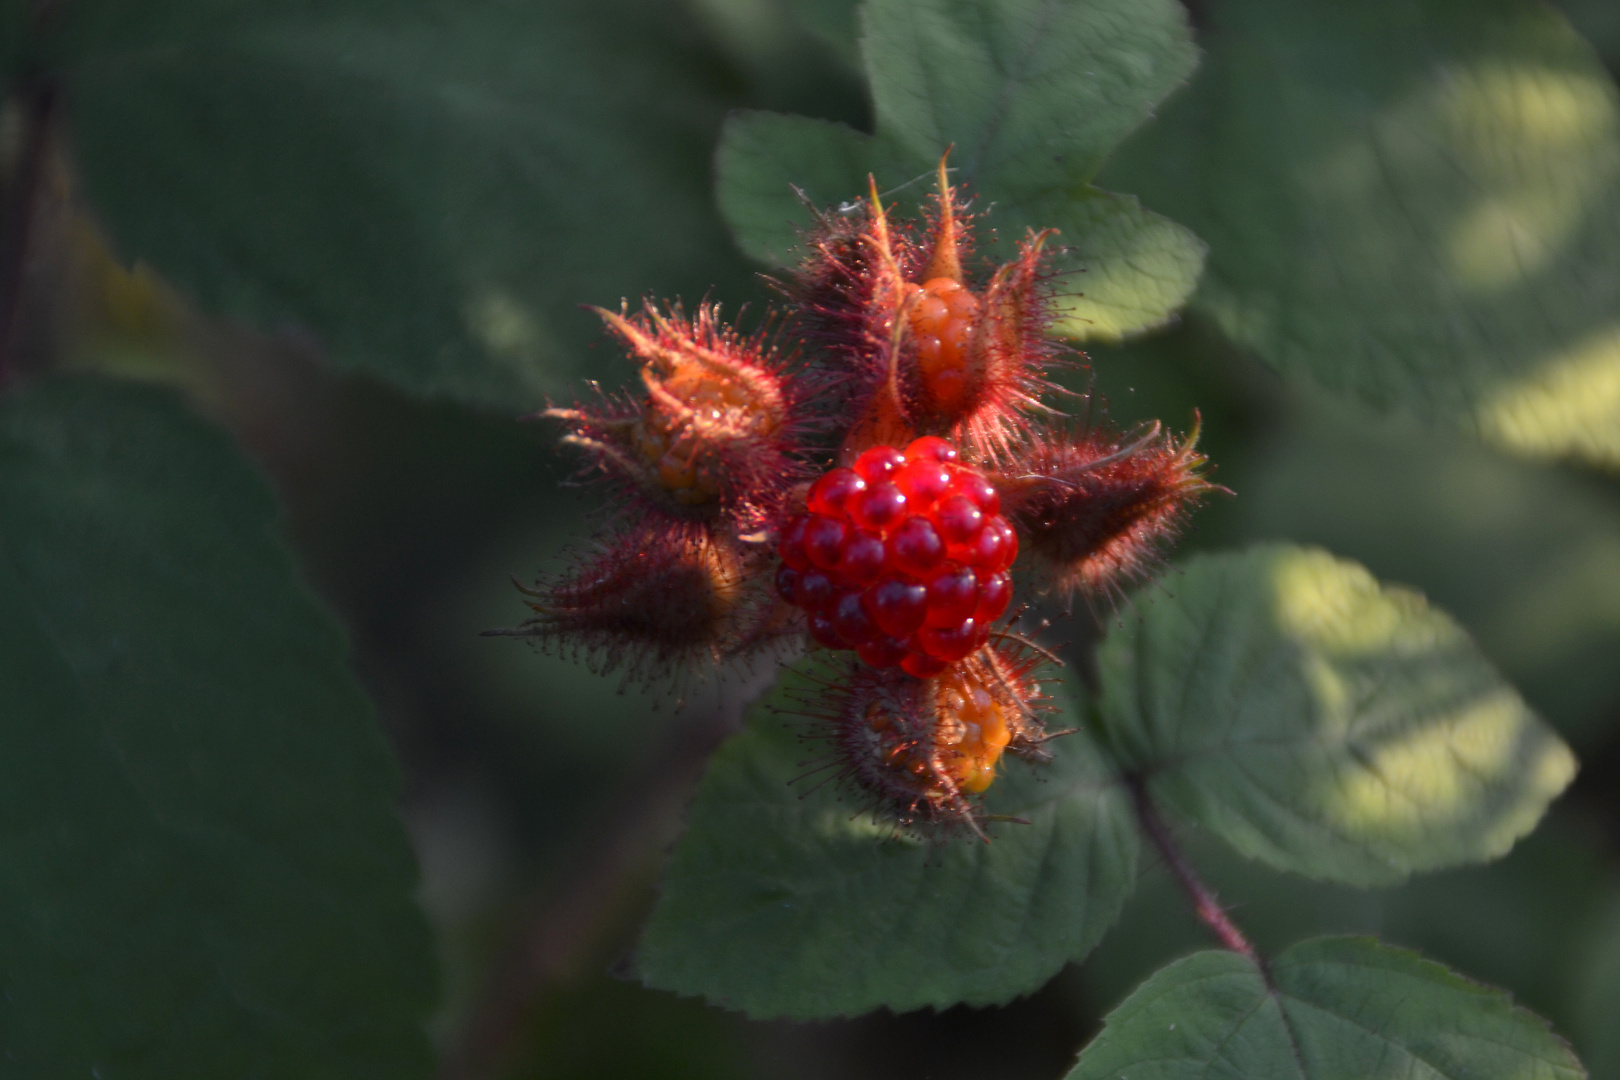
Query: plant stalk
point(1205, 905)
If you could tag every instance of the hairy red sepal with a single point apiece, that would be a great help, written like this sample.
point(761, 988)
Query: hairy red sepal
point(1096, 510)
point(718, 432)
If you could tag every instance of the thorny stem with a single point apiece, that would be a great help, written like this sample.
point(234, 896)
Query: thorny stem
point(39, 98)
point(1203, 900)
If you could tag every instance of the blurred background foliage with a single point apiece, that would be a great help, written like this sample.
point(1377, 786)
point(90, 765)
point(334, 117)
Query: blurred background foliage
point(356, 236)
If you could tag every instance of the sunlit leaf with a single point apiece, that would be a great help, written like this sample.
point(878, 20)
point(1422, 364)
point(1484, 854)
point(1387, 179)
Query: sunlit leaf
point(1418, 202)
point(1325, 1009)
point(1528, 560)
point(1324, 723)
point(432, 188)
point(201, 870)
point(787, 899)
point(1032, 95)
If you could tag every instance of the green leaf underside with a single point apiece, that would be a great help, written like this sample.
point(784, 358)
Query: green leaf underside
point(433, 188)
point(1323, 723)
point(1332, 1008)
point(785, 899)
point(1033, 94)
point(201, 872)
point(1418, 203)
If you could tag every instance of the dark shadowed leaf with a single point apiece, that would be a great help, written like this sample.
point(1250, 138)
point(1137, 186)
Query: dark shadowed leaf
point(1417, 202)
point(1322, 722)
point(786, 899)
point(1033, 95)
point(431, 187)
point(201, 871)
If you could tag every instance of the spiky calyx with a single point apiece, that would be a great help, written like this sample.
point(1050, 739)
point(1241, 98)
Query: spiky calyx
point(924, 750)
point(648, 604)
point(918, 347)
point(1097, 510)
point(714, 435)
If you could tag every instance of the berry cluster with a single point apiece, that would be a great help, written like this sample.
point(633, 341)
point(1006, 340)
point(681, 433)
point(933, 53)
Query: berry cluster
point(903, 558)
point(874, 478)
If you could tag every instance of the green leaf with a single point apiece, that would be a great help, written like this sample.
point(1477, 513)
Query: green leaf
point(201, 870)
point(785, 899)
point(434, 188)
point(1329, 1008)
point(833, 21)
point(1527, 558)
point(1033, 95)
point(1415, 202)
point(1323, 723)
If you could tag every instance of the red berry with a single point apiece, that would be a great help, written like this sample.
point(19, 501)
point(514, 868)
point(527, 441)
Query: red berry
point(950, 643)
point(815, 591)
point(982, 493)
point(851, 622)
point(823, 630)
point(952, 597)
point(959, 519)
point(922, 665)
point(879, 509)
point(824, 540)
point(787, 583)
point(915, 547)
point(879, 463)
point(884, 651)
point(923, 483)
point(931, 448)
point(831, 494)
point(791, 546)
point(863, 560)
point(995, 593)
point(896, 606)
point(902, 558)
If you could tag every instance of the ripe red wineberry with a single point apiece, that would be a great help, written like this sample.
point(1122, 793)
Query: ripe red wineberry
point(902, 557)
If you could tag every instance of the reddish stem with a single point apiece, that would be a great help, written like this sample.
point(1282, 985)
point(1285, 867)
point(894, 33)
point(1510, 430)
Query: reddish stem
point(1203, 899)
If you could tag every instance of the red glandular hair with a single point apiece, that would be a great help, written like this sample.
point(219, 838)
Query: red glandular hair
point(917, 343)
point(1097, 509)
